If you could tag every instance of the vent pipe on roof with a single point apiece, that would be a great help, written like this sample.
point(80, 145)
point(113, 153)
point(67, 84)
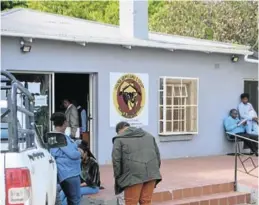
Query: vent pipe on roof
point(134, 18)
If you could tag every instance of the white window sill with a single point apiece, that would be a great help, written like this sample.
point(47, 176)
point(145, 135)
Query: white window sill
point(169, 137)
point(177, 133)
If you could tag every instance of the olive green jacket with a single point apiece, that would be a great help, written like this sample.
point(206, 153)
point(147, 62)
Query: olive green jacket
point(136, 159)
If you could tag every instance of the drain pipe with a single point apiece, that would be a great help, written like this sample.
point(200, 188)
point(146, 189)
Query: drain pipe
point(249, 60)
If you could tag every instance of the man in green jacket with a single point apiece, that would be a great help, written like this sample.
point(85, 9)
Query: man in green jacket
point(136, 164)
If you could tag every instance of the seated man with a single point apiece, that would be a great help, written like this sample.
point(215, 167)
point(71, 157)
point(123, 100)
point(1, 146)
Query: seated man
point(233, 125)
point(247, 112)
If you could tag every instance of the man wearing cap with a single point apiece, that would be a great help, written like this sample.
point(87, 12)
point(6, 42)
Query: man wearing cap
point(136, 164)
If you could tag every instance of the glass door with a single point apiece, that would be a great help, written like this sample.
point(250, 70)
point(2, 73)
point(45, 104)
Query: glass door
point(41, 86)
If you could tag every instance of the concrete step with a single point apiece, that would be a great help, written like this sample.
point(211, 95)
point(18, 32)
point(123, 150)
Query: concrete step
point(230, 198)
point(212, 194)
point(196, 191)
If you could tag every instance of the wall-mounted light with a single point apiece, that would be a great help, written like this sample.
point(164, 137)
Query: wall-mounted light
point(234, 58)
point(126, 46)
point(25, 48)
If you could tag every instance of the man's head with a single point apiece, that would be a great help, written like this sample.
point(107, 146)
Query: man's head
point(244, 98)
point(233, 113)
point(67, 102)
point(85, 151)
point(121, 127)
point(59, 120)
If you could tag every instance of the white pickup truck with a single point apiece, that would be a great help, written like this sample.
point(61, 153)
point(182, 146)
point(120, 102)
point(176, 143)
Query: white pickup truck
point(28, 173)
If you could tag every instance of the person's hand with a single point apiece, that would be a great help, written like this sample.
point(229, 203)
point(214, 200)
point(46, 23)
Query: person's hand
point(83, 184)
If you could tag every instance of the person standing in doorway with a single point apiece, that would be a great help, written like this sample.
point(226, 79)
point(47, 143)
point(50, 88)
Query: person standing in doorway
point(136, 164)
point(247, 112)
point(72, 119)
point(83, 121)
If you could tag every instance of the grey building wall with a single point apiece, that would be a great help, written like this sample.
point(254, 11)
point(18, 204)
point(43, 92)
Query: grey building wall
point(219, 86)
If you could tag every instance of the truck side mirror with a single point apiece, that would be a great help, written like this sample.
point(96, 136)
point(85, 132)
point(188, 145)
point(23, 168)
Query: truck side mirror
point(55, 140)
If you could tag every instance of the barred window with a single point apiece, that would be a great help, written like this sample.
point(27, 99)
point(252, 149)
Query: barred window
point(178, 106)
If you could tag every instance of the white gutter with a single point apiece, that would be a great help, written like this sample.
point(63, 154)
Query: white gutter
point(250, 60)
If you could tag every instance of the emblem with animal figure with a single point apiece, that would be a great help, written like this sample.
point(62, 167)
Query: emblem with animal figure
point(129, 96)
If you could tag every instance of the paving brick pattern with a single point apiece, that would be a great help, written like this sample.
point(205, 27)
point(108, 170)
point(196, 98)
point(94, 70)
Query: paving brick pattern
point(191, 181)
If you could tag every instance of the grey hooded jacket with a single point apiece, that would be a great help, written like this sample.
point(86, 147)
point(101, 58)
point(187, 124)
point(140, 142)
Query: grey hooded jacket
point(136, 159)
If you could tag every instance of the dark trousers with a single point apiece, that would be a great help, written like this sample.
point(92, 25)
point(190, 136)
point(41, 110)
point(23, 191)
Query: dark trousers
point(71, 188)
point(251, 145)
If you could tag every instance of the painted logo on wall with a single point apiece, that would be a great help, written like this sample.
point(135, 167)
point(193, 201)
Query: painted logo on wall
point(129, 96)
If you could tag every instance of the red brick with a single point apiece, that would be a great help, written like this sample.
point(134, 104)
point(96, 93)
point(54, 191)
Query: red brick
point(248, 198)
point(195, 203)
point(207, 202)
point(214, 202)
point(223, 201)
point(232, 200)
point(166, 196)
point(197, 191)
point(157, 197)
point(241, 199)
point(215, 188)
point(206, 190)
point(177, 194)
point(187, 193)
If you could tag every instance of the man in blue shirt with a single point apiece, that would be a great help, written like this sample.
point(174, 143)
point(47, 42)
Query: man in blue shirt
point(234, 125)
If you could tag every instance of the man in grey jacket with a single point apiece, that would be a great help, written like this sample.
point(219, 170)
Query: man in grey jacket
point(72, 117)
point(136, 164)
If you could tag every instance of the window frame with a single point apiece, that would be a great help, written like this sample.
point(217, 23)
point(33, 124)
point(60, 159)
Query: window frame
point(164, 96)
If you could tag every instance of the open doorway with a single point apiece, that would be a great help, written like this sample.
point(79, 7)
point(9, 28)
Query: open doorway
point(76, 88)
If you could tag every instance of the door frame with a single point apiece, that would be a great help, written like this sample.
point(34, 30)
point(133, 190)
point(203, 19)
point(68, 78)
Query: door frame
point(249, 79)
point(93, 96)
point(93, 104)
point(51, 85)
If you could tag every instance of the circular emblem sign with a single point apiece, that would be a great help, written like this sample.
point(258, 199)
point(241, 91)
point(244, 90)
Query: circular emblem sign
point(129, 96)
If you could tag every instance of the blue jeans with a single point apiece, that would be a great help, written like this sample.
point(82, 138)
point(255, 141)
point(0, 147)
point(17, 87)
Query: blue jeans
point(83, 191)
point(71, 189)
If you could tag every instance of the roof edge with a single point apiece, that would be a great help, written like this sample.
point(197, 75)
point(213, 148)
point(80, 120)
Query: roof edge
point(141, 43)
point(238, 46)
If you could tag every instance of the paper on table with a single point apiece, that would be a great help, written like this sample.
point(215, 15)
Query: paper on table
point(241, 122)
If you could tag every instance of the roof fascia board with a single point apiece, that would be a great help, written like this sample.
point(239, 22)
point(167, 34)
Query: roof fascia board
point(140, 43)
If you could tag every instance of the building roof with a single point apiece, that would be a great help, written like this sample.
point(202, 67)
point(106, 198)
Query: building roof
point(33, 24)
